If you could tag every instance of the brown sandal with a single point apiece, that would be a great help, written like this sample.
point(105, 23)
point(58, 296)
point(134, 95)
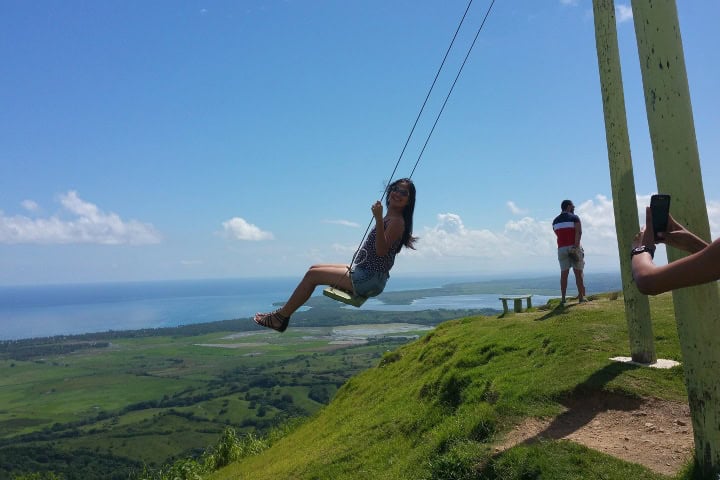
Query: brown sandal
point(273, 320)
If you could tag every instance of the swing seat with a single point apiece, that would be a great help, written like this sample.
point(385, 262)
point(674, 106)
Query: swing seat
point(344, 297)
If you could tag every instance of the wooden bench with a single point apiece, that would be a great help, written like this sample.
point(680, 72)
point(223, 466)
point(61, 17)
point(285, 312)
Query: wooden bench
point(517, 300)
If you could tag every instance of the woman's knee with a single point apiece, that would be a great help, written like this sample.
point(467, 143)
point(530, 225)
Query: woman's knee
point(316, 276)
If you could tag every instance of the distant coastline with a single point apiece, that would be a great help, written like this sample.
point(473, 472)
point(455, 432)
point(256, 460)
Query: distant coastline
point(51, 310)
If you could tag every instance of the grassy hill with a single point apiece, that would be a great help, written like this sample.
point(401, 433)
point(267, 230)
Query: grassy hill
point(111, 405)
point(437, 408)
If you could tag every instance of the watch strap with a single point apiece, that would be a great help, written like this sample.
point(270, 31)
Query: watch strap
point(642, 249)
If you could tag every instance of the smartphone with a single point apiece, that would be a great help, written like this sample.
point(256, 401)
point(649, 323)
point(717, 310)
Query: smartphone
point(660, 208)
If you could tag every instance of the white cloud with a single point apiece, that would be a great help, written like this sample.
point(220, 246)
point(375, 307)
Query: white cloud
point(344, 250)
point(345, 223)
point(521, 245)
point(599, 237)
point(30, 206)
point(451, 238)
point(88, 225)
point(598, 221)
point(569, 2)
point(191, 262)
point(623, 13)
point(238, 229)
point(527, 243)
point(714, 214)
point(515, 209)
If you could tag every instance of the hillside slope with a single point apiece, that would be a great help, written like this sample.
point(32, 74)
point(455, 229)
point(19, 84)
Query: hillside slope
point(439, 407)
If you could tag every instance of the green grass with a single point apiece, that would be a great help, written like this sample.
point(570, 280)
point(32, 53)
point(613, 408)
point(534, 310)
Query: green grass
point(562, 461)
point(116, 402)
point(434, 408)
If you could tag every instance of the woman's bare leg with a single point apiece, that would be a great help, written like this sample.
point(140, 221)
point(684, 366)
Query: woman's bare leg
point(326, 274)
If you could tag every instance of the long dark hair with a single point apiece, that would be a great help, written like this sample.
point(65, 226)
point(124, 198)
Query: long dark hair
point(407, 239)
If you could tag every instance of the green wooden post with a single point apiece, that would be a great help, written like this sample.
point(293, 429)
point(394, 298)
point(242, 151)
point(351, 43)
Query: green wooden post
point(677, 167)
point(637, 307)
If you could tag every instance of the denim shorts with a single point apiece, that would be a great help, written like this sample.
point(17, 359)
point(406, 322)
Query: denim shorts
point(367, 283)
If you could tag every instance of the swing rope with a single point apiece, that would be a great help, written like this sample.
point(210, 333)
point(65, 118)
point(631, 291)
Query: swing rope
point(452, 87)
point(422, 108)
point(427, 97)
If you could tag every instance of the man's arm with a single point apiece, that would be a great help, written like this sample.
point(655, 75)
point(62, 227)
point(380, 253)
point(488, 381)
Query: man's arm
point(578, 233)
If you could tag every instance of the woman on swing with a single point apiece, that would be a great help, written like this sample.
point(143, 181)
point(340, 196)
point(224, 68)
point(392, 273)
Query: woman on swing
point(371, 268)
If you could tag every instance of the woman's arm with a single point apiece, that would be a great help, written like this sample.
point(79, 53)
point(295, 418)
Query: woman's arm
point(386, 236)
point(701, 267)
point(680, 237)
point(696, 269)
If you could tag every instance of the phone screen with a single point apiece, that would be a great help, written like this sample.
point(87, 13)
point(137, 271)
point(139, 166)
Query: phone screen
point(660, 207)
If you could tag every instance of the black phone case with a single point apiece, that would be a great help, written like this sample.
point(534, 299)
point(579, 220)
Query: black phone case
point(660, 207)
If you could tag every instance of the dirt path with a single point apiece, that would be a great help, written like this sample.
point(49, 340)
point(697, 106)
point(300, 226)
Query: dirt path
point(654, 433)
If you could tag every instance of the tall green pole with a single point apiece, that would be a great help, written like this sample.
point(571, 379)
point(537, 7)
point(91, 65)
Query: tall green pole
point(637, 306)
point(677, 168)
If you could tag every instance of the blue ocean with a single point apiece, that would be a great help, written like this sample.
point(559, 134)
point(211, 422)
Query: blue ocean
point(48, 310)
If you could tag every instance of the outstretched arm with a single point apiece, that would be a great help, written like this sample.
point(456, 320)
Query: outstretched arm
point(680, 237)
point(701, 267)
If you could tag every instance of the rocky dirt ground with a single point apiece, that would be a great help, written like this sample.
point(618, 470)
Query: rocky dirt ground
point(654, 433)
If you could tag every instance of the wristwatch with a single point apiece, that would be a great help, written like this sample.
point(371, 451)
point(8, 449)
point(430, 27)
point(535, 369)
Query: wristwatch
point(642, 249)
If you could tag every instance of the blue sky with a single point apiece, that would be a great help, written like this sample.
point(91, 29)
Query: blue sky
point(210, 139)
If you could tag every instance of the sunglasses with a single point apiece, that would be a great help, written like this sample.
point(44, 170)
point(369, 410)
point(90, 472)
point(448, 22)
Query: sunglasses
point(400, 191)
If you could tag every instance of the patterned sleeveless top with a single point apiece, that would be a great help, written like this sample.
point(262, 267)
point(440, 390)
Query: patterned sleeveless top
point(368, 259)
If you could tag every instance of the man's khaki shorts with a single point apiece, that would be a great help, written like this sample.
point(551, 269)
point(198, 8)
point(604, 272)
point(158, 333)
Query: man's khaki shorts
point(566, 262)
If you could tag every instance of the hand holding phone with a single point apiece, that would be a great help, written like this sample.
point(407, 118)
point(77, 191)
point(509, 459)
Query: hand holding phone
point(660, 209)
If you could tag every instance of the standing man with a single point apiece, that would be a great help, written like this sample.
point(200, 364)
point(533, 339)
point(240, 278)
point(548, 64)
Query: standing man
point(568, 230)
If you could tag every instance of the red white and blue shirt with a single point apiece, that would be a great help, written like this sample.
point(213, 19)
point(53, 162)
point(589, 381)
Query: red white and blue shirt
point(564, 227)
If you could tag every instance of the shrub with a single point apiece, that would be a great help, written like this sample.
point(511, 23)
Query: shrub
point(389, 358)
point(230, 448)
point(459, 463)
point(38, 476)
